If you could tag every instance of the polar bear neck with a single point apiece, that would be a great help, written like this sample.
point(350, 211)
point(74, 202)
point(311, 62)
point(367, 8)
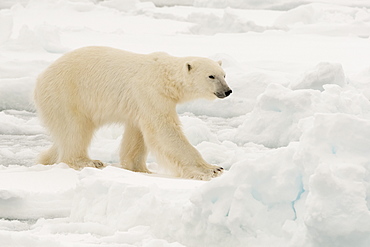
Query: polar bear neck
point(170, 69)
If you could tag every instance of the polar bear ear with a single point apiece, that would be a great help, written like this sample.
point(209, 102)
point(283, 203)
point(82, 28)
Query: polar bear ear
point(219, 62)
point(188, 66)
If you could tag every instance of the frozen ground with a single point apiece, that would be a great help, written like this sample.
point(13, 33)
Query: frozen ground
point(294, 136)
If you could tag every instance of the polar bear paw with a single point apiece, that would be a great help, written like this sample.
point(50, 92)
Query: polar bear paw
point(204, 173)
point(86, 163)
point(96, 164)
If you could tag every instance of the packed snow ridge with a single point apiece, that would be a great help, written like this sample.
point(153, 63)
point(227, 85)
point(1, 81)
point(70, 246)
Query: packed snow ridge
point(293, 137)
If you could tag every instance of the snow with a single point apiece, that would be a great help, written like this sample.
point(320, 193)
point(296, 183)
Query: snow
point(293, 137)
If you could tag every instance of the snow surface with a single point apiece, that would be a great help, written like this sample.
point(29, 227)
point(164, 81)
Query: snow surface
point(294, 136)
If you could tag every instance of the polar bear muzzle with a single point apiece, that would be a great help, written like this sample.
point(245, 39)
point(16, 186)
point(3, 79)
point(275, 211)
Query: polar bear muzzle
point(222, 89)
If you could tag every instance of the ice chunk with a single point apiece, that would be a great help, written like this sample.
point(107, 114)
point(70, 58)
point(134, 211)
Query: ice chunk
point(322, 74)
point(44, 38)
point(16, 93)
point(274, 120)
point(196, 130)
point(229, 23)
point(334, 156)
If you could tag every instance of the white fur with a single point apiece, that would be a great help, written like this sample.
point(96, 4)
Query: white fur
point(93, 86)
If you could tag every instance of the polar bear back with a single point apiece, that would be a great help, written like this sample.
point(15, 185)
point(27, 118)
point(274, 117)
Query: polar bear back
point(98, 82)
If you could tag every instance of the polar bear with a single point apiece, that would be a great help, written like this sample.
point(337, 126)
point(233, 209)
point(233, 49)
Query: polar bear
point(93, 86)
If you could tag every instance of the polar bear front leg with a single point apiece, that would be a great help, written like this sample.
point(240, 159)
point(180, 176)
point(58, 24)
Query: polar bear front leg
point(133, 151)
point(172, 149)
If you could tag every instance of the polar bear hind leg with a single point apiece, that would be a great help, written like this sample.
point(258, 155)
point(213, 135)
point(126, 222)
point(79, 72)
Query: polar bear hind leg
point(49, 157)
point(75, 141)
point(71, 142)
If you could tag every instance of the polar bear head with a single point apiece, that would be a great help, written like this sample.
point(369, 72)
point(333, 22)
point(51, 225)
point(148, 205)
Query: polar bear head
point(206, 78)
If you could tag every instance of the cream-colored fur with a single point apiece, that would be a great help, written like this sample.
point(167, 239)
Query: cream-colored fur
point(93, 86)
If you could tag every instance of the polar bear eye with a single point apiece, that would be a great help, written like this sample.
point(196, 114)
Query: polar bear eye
point(211, 76)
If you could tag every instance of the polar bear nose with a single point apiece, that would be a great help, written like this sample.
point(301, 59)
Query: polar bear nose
point(224, 94)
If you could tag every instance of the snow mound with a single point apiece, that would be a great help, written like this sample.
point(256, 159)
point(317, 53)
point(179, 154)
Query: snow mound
point(115, 203)
point(33, 199)
point(238, 208)
point(293, 188)
point(197, 130)
point(322, 74)
point(279, 116)
point(126, 5)
point(320, 13)
point(333, 155)
point(274, 120)
point(211, 217)
point(44, 38)
point(18, 125)
point(326, 19)
point(230, 22)
point(16, 93)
